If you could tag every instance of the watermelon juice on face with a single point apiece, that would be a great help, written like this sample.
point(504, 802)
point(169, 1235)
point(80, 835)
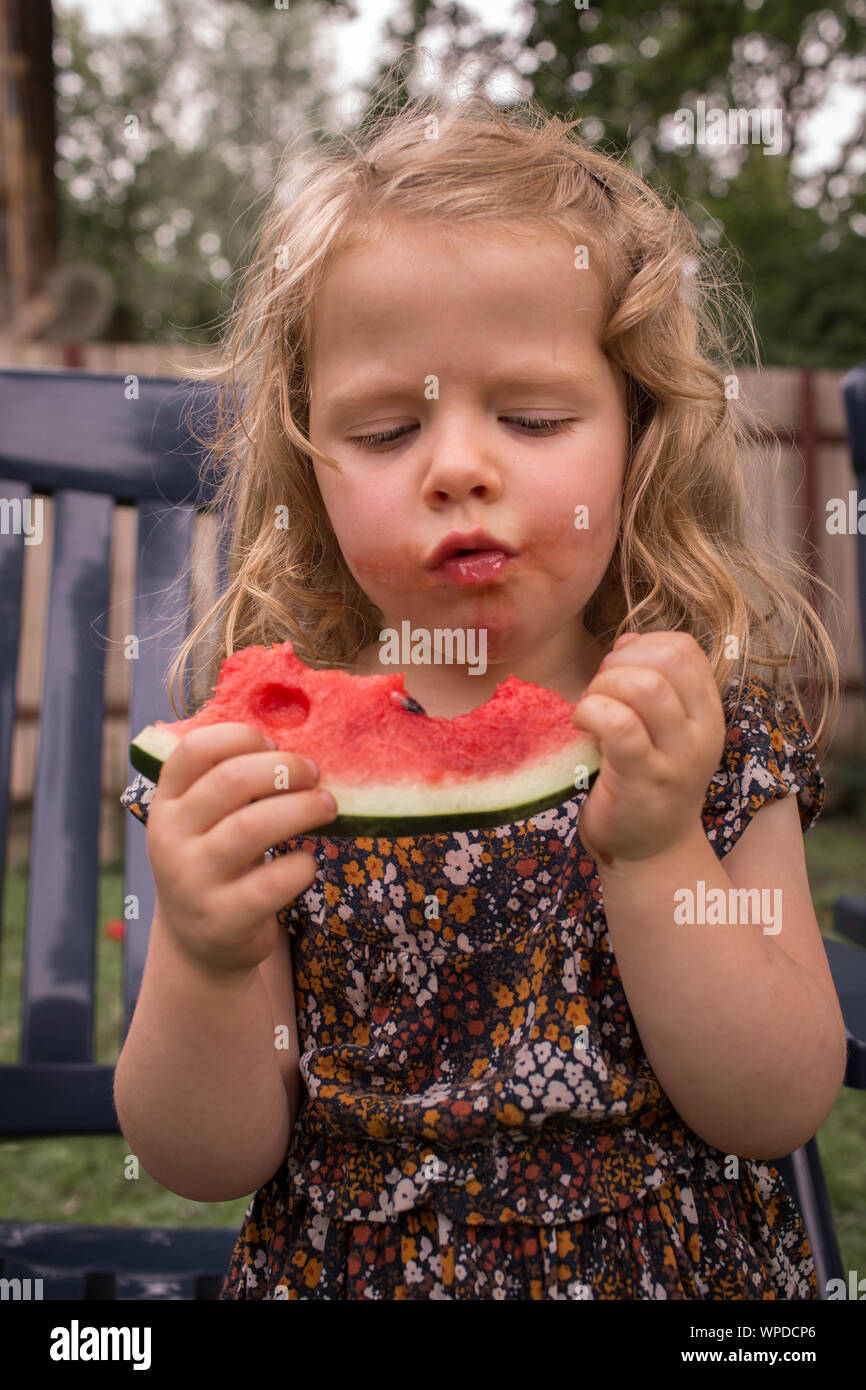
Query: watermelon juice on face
point(464, 417)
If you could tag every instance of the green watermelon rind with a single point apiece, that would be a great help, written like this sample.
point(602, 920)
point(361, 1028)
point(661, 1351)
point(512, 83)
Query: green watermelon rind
point(394, 827)
point(149, 750)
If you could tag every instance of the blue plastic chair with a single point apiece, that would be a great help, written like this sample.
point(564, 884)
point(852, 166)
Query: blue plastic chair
point(75, 436)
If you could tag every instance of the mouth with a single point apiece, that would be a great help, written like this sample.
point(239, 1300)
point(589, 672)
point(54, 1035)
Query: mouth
point(473, 567)
point(469, 546)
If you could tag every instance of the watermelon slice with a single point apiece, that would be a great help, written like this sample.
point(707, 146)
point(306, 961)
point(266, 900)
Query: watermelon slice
point(393, 769)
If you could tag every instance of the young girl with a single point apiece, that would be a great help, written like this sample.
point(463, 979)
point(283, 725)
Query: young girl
point(562, 1083)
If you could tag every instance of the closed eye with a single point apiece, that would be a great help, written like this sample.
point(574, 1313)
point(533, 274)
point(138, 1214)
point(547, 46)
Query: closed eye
point(533, 425)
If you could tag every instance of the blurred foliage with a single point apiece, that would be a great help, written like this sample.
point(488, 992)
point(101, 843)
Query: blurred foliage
point(846, 789)
point(216, 84)
point(625, 71)
point(168, 137)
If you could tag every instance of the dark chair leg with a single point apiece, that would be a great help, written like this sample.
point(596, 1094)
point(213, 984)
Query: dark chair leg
point(207, 1287)
point(99, 1285)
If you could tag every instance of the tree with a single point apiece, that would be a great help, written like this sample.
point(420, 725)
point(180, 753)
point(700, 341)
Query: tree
point(169, 135)
point(28, 225)
point(169, 208)
point(626, 70)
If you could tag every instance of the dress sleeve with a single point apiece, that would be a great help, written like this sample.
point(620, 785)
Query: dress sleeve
point(138, 796)
point(766, 756)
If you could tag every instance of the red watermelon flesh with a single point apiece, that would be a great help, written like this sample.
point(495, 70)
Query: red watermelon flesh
point(392, 768)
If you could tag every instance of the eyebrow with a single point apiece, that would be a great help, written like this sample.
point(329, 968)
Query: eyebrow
point(536, 377)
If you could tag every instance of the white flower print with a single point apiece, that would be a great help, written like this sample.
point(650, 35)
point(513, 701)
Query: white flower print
point(461, 864)
point(525, 1063)
point(404, 1196)
point(587, 1092)
point(356, 993)
point(558, 1098)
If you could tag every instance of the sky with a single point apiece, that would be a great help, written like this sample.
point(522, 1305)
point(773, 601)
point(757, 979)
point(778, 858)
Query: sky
point(352, 49)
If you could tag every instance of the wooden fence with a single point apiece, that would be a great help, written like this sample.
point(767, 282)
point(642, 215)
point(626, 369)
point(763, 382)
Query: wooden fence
point(807, 412)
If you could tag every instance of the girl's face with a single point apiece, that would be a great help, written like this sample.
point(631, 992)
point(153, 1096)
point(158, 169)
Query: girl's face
point(460, 344)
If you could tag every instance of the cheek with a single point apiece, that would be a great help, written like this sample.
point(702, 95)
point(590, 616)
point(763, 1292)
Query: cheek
point(576, 529)
point(370, 534)
point(348, 505)
point(378, 566)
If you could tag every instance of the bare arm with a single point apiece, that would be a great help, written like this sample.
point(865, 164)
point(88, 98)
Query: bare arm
point(742, 1028)
point(741, 1025)
point(198, 1087)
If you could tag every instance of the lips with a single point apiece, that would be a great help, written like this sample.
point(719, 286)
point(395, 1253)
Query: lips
point(467, 541)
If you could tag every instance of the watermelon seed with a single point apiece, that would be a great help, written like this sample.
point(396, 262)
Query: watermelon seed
point(406, 702)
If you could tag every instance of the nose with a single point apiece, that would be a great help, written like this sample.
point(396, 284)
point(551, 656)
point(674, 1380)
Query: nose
point(462, 461)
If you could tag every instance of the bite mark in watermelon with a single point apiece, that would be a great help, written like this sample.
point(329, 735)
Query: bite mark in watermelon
point(393, 769)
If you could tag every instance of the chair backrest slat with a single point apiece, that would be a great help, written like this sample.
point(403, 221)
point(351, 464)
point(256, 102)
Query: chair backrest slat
point(165, 537)
point(12, 540)
point(57, 1002)
point(100, 432)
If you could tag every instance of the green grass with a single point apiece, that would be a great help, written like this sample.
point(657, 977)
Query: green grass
point(82, 1179)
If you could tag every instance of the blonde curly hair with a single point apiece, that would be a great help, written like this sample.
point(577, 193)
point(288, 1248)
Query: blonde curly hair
point(675, 321)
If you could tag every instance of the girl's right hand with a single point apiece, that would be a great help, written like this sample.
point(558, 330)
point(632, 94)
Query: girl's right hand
point(207, 835)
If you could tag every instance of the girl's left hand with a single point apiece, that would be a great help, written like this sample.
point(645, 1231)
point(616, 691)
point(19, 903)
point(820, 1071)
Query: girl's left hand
point(655, 710)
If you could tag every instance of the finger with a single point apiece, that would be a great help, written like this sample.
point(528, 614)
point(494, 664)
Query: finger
point(651, 696)
point(202, 749)
point(241, 839)
point(623, 738)
point(268, 888)
point(210, 770)
point(679, 657)
point(236, 781)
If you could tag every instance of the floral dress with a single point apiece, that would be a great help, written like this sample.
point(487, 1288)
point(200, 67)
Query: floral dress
point(480, 1120)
